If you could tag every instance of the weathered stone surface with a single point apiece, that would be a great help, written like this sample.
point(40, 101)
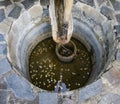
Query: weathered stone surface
point(35, 11)
point(3, 49)
point(110, 99)
point(3, 97)
point(90, 90)
point(5, 26)
point(2, 15)
point(116, 4)
point(20, 87)
point(108, 12)
point(47, 98)
point(28, 3)
point(15, 13)
point(1, 38)
point(118, 17)
point(4, 66)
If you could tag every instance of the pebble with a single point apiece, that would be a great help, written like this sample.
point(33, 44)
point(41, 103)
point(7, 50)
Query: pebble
point(41, 76)
point(37, 62)
point(85, 68)
point(31, 72)
point(69, 85)
point(83, 76)
point(81, 69)
point(88, 73)
point(36, 78)
point(73, 73)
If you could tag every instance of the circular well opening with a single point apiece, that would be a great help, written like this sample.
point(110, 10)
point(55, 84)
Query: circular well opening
point(47, 70)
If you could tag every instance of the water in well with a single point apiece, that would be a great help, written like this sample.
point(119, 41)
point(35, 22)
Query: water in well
point(48, 72)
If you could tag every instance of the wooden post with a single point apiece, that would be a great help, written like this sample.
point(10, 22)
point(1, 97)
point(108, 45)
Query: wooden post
point(61, 20)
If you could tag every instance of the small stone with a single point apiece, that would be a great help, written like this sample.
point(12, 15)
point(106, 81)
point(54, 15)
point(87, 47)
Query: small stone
point(85, 68)
point(37, 62)
point(88, 73)
point(73, 73)
point(44, 84)
point(36, 78)
point(40, 67)
point(83, 76)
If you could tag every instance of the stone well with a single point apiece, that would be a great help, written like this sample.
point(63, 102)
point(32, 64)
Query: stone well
point(90, 28)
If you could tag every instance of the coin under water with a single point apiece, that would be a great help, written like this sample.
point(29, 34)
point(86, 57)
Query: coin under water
point(46, 69)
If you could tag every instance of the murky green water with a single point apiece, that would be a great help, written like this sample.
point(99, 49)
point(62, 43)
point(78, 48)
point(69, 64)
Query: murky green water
point(45, 68)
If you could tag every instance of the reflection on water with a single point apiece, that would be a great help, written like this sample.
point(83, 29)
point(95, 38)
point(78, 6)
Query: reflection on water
point(47, 72)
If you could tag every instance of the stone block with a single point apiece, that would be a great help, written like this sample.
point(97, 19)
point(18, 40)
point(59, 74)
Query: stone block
point(2, 15)
point(35, 11)
point(4, 66)
point(5, 26)
point(116, 4)
point(20, 87)
point(110, 99)
point(108, 12)
point(15, 13)
point(3, 97)
point(3, 49)
point(47, 98)
point(28, 3)
point(90, 90)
